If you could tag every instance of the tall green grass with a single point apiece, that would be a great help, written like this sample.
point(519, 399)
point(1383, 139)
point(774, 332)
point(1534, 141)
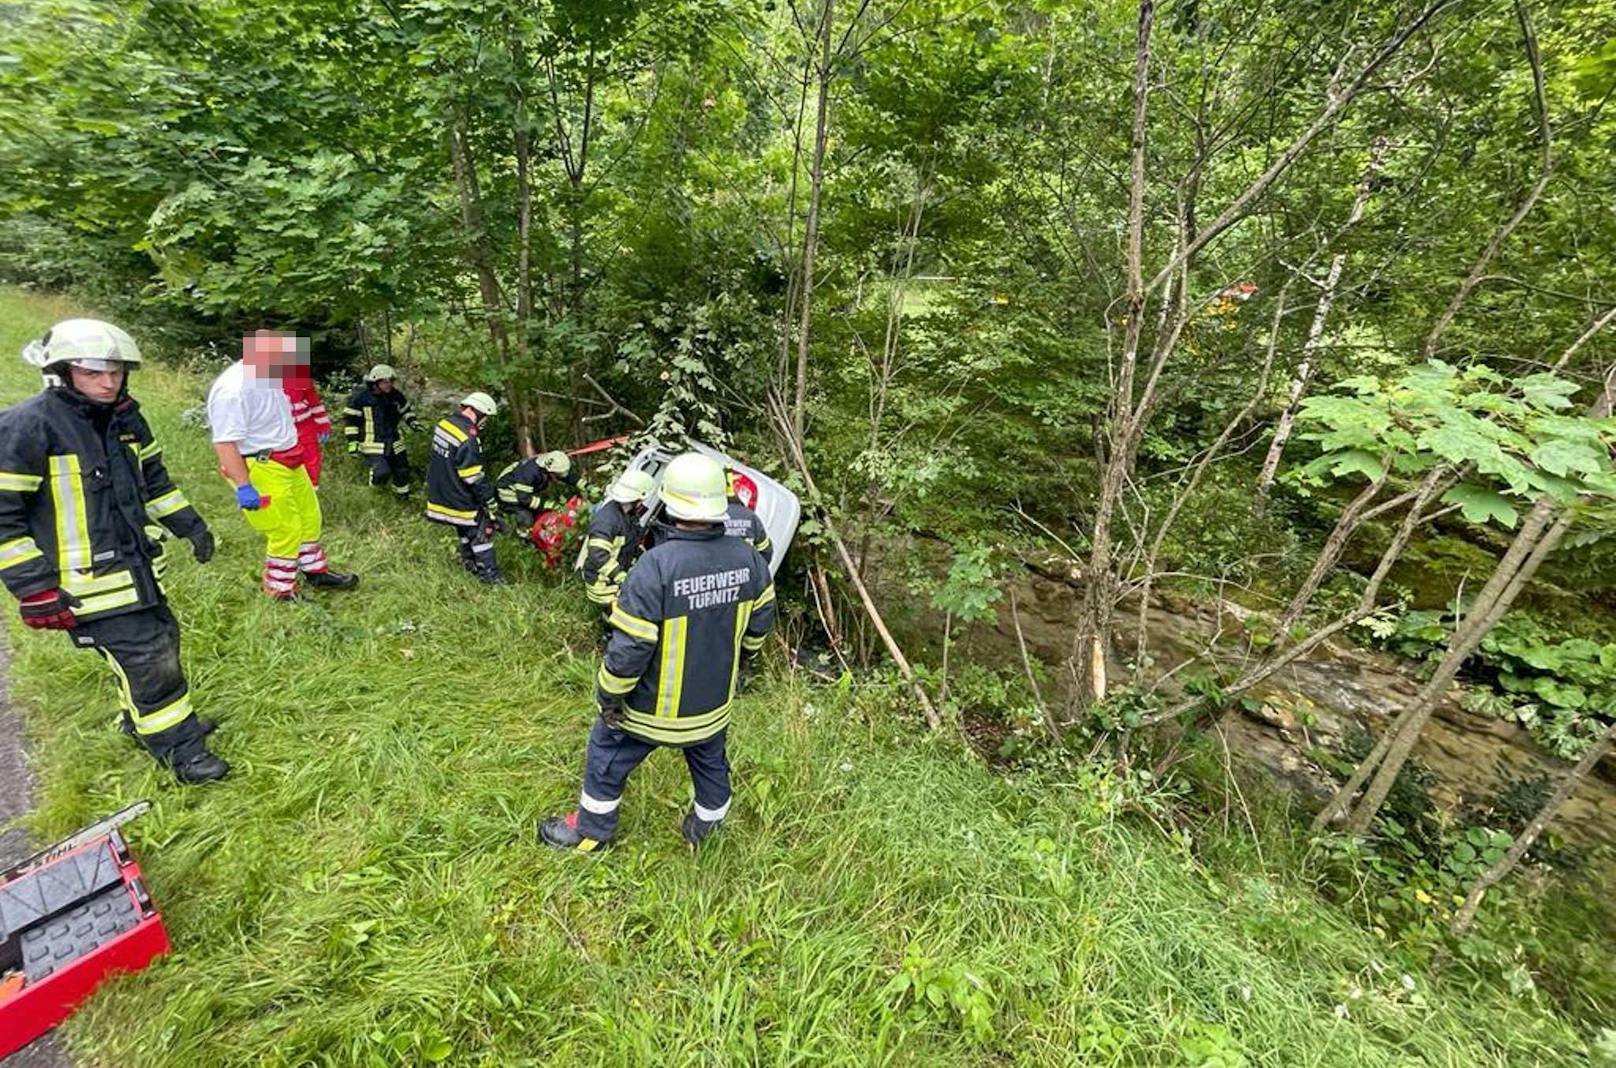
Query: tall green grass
point(366, 888)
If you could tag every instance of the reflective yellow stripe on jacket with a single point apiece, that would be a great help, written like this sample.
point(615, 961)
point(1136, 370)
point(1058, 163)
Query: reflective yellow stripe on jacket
point(743, 616)
point(681, 731)
point(633, 626)
point(671, 671)
point(18, 551)
point(167, 504)
point(615, 684)
point(72, 516)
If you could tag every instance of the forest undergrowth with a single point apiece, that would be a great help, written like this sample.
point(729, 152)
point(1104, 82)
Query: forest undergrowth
point(366, 888)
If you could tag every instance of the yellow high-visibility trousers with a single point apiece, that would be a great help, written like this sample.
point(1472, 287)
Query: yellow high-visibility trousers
point(289, 522)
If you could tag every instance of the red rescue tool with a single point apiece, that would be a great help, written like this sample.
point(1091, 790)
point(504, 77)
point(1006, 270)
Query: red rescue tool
point(70, 917)
point(549, 532)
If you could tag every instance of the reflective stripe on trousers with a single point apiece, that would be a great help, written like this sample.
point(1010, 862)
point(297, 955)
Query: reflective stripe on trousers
point(613, 755)
point(143, 650)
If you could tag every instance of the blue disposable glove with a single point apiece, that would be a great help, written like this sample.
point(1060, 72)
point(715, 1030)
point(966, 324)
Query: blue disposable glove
point(247, 497)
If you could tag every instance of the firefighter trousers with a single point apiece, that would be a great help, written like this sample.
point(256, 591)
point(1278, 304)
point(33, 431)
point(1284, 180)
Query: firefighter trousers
point(477, 548)
point(522, 519)
point(290, 524)
point(143, 650)
point(611, 758)
point(394, 467)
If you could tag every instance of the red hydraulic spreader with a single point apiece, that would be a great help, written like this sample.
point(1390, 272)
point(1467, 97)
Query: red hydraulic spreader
point(70, 917)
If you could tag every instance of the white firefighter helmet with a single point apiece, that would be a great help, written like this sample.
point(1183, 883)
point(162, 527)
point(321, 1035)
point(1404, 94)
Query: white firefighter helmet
point(87, 343)
point(556, 462)
point(630, 486)
point(479, 402)
point(694, 488)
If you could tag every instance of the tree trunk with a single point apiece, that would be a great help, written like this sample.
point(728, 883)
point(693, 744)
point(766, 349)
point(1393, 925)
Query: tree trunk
point(1345, 527)
point(1315, 331)
point(1093, 637)
point(810, 237)
point(782, 419)
point(521, 420)
point(1518, 849)
point(1300, 380)
point(1539, 535)
point(475, 234)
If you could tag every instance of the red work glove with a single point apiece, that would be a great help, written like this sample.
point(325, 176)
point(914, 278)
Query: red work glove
point(51, 610)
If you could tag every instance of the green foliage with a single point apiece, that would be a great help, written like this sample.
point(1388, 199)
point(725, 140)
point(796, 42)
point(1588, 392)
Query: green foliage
point(926, 987)
point(684, 354)
point(972, 586)
point(1525, 671)
point(1210, 1045)
point(1512, 434)
point(1560, 688)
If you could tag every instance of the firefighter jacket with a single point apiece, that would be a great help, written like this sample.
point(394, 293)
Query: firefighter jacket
point(682, 620)
point(741, 522)
point(82, 487)
point(609, 547)
point(372, 421)
point(522, 484)
point(456, 487)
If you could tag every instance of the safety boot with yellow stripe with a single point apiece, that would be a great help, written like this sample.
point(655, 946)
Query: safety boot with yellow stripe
point(561, 832)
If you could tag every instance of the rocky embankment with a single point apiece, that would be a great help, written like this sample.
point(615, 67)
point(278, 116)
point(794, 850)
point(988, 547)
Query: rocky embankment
point(1314, 703)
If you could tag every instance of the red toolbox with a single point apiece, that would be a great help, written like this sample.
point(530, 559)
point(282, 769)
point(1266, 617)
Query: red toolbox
point(71, 916)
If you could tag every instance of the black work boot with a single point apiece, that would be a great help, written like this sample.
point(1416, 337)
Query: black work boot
point(490, 576)
point(198, 766)
point(127, 725)
point(695, 829)
point(330, 580)
point(561, 832)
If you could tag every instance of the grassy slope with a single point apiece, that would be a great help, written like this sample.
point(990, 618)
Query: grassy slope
point(366, 888)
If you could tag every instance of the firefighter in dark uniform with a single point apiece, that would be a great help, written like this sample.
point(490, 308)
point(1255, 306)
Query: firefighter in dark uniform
point(521, 487)
point(376, 415)
point(85, 503)
point(739, 519)
point(692, 610)
point(458, 491)
point(613, 540)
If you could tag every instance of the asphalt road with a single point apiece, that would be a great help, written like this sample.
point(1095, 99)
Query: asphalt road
point(16, 797)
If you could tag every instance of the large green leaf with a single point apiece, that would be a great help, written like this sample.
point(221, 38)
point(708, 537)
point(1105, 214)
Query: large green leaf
point(1357, 461)
point(1561, 694)
point(1480, 505)
point(1560, 457)
point(1544, 390)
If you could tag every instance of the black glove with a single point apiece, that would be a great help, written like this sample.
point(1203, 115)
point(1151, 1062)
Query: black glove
point(611, 710)
point(202, 545)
